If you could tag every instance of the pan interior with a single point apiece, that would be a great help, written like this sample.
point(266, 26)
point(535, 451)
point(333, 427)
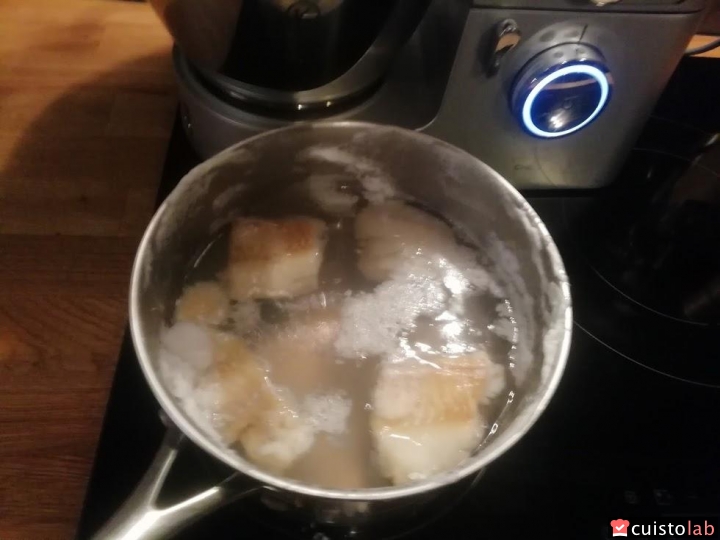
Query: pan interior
point(393, 162)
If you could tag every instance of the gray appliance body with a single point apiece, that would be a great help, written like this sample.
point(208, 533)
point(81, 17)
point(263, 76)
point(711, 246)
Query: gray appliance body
point(440, 83)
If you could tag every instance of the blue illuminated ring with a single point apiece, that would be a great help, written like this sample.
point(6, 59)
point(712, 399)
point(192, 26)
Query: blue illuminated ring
point(594, 72)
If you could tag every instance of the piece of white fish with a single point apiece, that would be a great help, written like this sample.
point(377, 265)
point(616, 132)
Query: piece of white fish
point(426, 414)
point(275, 258)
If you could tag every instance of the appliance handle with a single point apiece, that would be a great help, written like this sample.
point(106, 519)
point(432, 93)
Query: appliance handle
point(139, 518)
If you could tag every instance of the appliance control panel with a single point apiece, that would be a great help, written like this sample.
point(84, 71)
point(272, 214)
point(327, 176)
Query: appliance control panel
point(555, 99)
point(561, 90)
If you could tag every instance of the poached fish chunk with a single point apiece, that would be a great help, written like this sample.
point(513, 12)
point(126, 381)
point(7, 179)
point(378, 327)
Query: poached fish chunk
point(390, 233)
point(426, 415)
point(205, 302)
point(299, 356)
point(260, 417)
point(275, 258)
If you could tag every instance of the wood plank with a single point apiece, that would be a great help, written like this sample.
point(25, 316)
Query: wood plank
point(87, 102)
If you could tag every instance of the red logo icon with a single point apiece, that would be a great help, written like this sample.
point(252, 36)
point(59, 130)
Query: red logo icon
point(620, 527)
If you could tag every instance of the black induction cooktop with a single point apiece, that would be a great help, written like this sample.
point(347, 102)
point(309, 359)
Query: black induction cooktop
point(632, 432)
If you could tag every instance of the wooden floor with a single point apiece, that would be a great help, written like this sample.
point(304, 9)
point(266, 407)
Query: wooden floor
point(86, 106)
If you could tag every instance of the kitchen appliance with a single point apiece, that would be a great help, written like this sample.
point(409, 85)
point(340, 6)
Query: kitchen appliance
point(515, 245)
point(550, 93)
point(632, 430)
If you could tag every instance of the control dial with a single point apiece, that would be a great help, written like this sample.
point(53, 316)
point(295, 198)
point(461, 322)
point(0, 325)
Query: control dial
point(561, 90)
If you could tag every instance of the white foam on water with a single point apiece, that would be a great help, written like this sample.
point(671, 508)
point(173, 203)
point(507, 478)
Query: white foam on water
point(185, 356)
point(328, 192)
point(328, 413)
point(377, 186)
point(370, 323)
point(191, 343)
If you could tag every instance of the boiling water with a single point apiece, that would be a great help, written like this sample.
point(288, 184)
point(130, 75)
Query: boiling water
point(291, 337)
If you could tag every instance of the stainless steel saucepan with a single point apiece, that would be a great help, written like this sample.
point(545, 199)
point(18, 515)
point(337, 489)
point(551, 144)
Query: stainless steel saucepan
point(516, 244)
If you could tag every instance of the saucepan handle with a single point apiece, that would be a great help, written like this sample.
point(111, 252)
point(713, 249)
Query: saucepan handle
point(139, 518)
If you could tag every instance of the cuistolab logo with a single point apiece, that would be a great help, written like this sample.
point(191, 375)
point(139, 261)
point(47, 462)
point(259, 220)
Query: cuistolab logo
point(620, 527)
point(704, 527)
